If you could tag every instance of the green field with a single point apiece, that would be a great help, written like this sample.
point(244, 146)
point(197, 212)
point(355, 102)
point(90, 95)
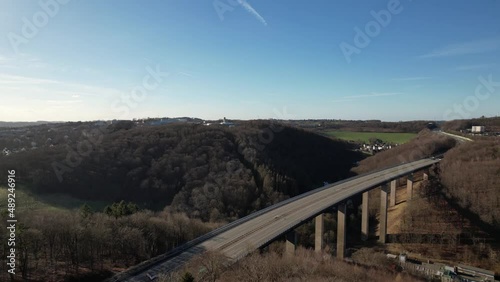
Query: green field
point(26, 201)
point(398, 138)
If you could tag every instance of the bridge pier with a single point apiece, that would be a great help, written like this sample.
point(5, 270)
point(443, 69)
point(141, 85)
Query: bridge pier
point(320, 230)
point(291, 242)
point(383, 213)
point(364, 217)
point(393, 193)
point(409, 187)
point(341, 230)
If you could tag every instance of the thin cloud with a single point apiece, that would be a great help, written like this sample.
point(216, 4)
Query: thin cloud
point(63, 102)
point(371, 95)
point(465, 48)
point(185, 74)
point(23, 61)
point(40, 98)
point(26, 84)
point(252, 11)
point(473, 67)
point(15, 79)
point(412, 78)
point(250, 102)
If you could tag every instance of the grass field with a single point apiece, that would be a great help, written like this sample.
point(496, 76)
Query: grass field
point(364, 137)
point(26, 201)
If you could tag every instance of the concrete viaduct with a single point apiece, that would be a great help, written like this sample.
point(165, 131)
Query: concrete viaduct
point(237, 239)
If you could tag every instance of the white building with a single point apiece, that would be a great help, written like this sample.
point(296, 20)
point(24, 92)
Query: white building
point(477, 129)
point(227, 123)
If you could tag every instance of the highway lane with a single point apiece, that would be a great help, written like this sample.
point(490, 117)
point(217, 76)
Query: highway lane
point(459, 138)
point(238, 241)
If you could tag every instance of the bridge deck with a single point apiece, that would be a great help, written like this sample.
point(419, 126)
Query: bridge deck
point(248, 234)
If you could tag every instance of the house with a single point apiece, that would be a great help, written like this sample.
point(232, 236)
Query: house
point(477, 129)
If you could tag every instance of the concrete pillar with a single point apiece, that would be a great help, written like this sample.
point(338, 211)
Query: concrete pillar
point(341, 230)
point(364, 217)
point(383, 213)
point(393, 193)
point(320, 230)
point(409, 187)
point(291, 241)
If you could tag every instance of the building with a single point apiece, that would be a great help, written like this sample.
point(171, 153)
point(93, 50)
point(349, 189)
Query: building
point(477, 129)
point(227, 123)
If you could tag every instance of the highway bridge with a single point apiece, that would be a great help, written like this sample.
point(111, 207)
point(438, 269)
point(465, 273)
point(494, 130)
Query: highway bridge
point(250, 233)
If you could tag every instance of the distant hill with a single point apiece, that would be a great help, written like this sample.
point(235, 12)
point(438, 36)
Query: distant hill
point(210, 172)
point(491, 124)
point(22, 123)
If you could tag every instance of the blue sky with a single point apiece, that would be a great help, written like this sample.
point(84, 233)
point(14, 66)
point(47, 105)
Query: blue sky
point(94, 59)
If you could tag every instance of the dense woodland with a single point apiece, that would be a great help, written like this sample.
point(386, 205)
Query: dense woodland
point(204, 173)
point(305, 265)
point(209, 172)
point(61, 245)
point(470, 174)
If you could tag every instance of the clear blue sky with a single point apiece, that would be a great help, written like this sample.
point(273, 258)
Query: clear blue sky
point(248, 60)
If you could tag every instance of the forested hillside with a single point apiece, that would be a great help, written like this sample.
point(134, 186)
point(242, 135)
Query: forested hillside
point(209, 172)
point(470, 175)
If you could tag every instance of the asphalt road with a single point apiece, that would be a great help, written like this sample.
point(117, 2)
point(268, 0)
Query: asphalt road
point(249, 234)
point(459, 138)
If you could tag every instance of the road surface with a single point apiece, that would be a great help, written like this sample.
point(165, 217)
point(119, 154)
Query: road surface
point(459, 138)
